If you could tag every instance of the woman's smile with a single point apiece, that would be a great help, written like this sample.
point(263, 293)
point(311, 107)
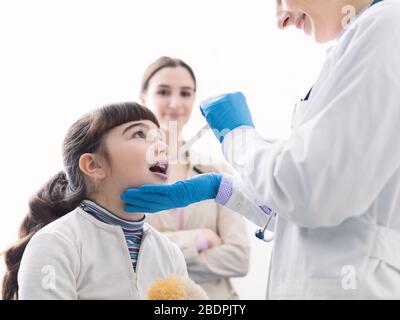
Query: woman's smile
point(173, 115)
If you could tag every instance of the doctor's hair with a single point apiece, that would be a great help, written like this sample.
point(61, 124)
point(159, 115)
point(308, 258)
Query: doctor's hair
point(161, 63)
point(66, 190)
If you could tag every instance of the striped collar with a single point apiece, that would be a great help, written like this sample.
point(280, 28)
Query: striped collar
point(108, 217)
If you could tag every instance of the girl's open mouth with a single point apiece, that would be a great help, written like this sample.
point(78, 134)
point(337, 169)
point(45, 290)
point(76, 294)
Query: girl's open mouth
point(160, 169)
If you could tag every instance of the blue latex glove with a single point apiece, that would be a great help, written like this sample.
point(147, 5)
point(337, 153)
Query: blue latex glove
point(226, 112)
point(153, 198)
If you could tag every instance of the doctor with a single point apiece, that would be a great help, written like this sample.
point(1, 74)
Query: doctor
point(335, 182)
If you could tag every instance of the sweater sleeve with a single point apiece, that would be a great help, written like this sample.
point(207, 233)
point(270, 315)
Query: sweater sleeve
point(231, 258)
point(186, 240)
point(48, 269)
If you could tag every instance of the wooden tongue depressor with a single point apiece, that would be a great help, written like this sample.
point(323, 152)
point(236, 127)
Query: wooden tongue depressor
point(189, 144)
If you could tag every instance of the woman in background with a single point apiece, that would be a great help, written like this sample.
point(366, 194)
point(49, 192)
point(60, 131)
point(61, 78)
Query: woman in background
point(212, 238)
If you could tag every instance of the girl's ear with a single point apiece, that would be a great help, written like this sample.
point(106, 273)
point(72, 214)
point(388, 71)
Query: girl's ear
point(90, 165)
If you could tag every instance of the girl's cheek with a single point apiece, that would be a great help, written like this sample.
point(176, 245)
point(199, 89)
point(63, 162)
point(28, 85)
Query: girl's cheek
point(134, 153)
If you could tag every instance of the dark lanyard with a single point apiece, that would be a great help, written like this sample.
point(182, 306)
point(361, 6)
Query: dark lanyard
point(309, 92)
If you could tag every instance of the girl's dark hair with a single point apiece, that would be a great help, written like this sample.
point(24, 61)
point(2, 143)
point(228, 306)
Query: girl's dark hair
point(161, 63)
point(64, 191)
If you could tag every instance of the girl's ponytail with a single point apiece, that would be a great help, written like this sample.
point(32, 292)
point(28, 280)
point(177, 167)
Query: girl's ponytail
point(51, 202)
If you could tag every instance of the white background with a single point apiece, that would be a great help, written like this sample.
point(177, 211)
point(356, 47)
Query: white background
point(60, 59)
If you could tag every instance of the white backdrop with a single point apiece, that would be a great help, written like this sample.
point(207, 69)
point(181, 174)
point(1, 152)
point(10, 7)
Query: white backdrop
point(60, 59)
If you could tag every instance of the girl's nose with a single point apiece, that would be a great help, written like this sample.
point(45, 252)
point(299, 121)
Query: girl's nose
point(161, 148)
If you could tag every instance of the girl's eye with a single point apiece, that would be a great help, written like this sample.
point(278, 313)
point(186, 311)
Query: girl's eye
point(139, 134)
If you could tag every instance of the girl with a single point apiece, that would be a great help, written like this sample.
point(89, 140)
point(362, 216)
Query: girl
point(76, 241)
point(212, 238)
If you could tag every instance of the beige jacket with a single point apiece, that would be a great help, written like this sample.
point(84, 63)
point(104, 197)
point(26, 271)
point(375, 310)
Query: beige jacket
point(78, 257)
point(211, 268)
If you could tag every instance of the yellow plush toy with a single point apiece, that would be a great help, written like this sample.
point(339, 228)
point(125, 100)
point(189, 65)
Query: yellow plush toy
point(175, 287)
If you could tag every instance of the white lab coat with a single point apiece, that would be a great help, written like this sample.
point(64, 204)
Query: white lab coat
point(80, 257)
point(335, 183)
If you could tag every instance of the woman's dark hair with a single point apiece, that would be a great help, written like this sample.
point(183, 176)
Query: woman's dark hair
point(161, 63)
point(65, 191)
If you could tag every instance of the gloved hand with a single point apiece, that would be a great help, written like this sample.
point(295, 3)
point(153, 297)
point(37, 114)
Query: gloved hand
point(226, 112)
point(153, 198)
